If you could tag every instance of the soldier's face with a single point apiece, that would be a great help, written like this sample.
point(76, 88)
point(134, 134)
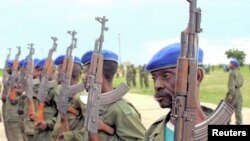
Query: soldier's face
point(164, 85)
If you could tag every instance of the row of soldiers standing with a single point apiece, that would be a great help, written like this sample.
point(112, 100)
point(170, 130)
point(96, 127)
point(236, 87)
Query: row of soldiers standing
point(45, 100)
point(131, 76)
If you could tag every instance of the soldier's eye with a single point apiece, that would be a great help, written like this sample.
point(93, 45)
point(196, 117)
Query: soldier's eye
point(154, 79)
point(166, 76)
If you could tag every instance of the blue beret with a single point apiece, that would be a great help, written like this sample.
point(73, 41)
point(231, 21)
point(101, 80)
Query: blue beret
point(10, 63)
point(21, 63)
point(40, 63)
point(59, 60)
point(235, 62)
point(107, 55)
point(25, 63)
point(167, 57)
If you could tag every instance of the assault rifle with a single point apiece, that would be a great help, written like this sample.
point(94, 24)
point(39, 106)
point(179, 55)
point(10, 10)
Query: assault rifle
point(46, 83)
point(5, 73)
point(183, 109)
point(13, 78)
point(29, 82)
point(6, 76)
point(94, 86)
point(65, 77)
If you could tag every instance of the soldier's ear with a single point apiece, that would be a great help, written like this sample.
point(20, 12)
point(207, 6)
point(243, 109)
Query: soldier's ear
point(200, 75)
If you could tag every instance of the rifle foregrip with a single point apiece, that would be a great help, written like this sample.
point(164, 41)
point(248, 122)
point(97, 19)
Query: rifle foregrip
point(182, 76)
point(69, 68)
point(15, 65)
point(99, 69)
point(40, 112)
point(31, 108)
point(93, 64)
point(13, 96)
point(48, 66)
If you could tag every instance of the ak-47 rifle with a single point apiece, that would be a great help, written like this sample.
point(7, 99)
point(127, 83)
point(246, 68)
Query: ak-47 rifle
point(94, 86)
point(65, 75)
point(46, 83)
point(13, 78)
point(5, 73)
point(29, 81)
point(6, 76)
point(183, 108)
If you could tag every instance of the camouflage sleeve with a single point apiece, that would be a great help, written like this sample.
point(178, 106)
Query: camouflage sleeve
point(76, 135)
point(231, 84)
point(52, 97)
point(128, 124)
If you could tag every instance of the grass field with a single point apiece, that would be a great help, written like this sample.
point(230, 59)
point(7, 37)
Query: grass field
point(213, 88)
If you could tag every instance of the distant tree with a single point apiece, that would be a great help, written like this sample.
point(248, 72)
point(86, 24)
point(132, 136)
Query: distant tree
point(237, 54)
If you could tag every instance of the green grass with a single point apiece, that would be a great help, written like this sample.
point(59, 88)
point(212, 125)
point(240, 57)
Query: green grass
point(213, 88)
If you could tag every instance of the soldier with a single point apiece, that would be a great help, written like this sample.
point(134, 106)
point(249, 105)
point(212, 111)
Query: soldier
point(5, 92)
point(129, 75)
point(13, 118)
point(26, 124)
point(77, 102)
point(163, 70)
point(141, 76)
point(145, 76)
point(133, 75)
point(120, 115)
point(235, 82)
point(44, 128)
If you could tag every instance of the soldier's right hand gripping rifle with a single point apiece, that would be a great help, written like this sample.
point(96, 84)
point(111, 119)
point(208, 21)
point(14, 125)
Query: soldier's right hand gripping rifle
point(6, 76)
point(29, 83)
point(183, 109)
point(13, 78)
point(94, 86)
point(46, 83)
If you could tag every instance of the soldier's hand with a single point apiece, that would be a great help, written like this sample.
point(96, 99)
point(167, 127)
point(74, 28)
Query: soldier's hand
point(229, 99)
point(60, 138)
point(32, 116)
point(3, 98)
point(106, 128)
point(41, 125)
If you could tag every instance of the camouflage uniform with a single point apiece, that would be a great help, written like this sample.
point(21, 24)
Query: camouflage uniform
point(235, 82)
point(141, 76)
point(156, 131)
point(126, 120)
point(12, 121)
point(50, 114)
point(76, 123)
point(27, 125)
point(129, 76)
point(133, 75)
point(145, 76)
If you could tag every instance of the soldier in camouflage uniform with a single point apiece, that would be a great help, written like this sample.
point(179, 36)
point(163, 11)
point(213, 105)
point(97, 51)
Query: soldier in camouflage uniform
point(145, 76)
point(13, 128)
point(141, 76)
point(5, 91)
point(78, 102)
point(26, 124)
point(43, 129)
point(163, 70)
point(121, 115)
point(235, 82)
point(133, 75)
point(129, 75)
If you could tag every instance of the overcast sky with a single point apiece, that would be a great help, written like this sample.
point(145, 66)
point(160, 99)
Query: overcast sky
point(145, 26)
